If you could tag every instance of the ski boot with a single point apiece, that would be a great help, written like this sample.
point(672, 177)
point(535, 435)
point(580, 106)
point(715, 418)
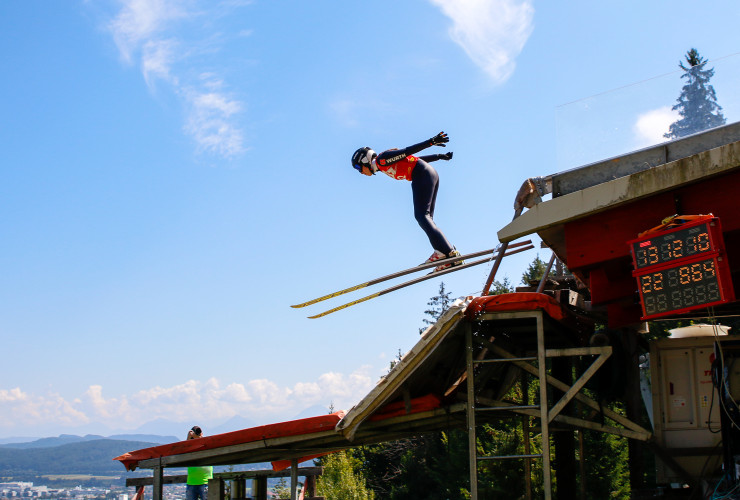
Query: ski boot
point(453, 253)
point(437, 255)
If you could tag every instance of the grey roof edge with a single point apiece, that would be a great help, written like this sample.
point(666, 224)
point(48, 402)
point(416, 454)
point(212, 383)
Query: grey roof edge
point(622, 190)
point(572, 180)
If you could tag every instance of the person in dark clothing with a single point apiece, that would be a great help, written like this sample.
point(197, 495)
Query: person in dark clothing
point(402, 164)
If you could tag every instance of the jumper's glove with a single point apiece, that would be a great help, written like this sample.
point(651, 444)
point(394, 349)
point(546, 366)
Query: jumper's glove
point(439, 140)
point(446, 156)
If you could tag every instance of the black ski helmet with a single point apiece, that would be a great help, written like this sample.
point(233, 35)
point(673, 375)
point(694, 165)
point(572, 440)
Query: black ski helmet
point(363, 157)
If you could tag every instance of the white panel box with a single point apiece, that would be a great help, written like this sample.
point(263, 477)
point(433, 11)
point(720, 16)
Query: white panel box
point(685, 406)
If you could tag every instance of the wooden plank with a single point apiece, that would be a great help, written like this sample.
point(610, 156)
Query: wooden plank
point(211, 457)
point(582, 380)
point(575, 351)
point(148, 481)
point(594, 426)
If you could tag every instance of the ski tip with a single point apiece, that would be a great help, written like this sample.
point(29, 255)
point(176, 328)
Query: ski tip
point(321, 315)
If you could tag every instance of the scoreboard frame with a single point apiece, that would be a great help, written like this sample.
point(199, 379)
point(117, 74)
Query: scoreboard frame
point(681, 268)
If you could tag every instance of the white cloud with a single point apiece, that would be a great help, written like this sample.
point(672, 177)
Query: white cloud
point(491, 32)
point(650, 126)
point(207, 401)
point(12, 395)
point(156, 61)
point(20, 409)
point(154, 35)
point(140, 20)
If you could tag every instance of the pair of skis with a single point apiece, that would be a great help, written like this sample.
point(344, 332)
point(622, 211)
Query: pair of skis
point(512, 249)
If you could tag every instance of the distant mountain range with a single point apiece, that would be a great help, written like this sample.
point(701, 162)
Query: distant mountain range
point(93, 454)
point(63, 439)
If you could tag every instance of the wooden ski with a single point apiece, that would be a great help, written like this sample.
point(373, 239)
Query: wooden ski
point(405, 272)
point(420, 279)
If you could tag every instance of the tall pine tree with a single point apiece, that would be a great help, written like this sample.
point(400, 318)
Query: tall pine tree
point(697, 103)
point(438, 305)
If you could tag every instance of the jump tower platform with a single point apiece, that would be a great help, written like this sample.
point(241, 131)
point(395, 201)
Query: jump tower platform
point(461, 372)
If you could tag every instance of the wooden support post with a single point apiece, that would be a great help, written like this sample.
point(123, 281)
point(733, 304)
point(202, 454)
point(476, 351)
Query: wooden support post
point(310, 486)
point(582, 466)
point(157, 484)
point(294, 479)
point(494, 269)
point(238, 489)
point(565, 463)
point(542, 374)
point(259, 488)
point(472, 447)
point(526, 437)
point(216, 489)
point(633, 405)
point(499, 256)
point(543, 281)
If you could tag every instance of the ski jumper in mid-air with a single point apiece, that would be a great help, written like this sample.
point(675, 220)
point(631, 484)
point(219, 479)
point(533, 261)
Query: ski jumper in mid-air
point(403, 165)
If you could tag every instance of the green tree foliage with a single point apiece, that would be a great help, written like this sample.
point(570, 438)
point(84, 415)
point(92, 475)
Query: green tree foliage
point(697, 103)
point(607, 469)
point(437, 306)
point(342, 478)
point(88, 457)
point(427, 467)
point(395, 361)
point(281, 489)
point(535, 271)
point(499, 287)
point(605, 455)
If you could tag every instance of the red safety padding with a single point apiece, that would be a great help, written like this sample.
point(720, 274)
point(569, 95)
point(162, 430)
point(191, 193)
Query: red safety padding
point(523, 301)
point(398, 408)
point(279, 465)
point(270, 431)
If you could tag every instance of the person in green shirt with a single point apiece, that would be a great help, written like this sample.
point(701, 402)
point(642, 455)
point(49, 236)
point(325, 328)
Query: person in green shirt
point(198, 477)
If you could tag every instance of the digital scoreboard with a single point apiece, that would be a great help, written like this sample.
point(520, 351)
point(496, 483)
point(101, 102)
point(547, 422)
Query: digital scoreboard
point(681, 267)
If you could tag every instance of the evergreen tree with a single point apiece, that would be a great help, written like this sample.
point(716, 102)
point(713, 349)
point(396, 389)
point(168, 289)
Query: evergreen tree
point(697, 103)
point(535, 271)
point(395, 361)
point(437, 306)
point(499, 287)
point(281, 489)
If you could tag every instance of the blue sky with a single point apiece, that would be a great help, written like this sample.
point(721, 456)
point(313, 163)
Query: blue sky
point(176, 173)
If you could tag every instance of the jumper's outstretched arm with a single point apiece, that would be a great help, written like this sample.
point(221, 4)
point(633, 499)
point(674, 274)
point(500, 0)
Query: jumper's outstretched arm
point(430, 158)
point(394, 155)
